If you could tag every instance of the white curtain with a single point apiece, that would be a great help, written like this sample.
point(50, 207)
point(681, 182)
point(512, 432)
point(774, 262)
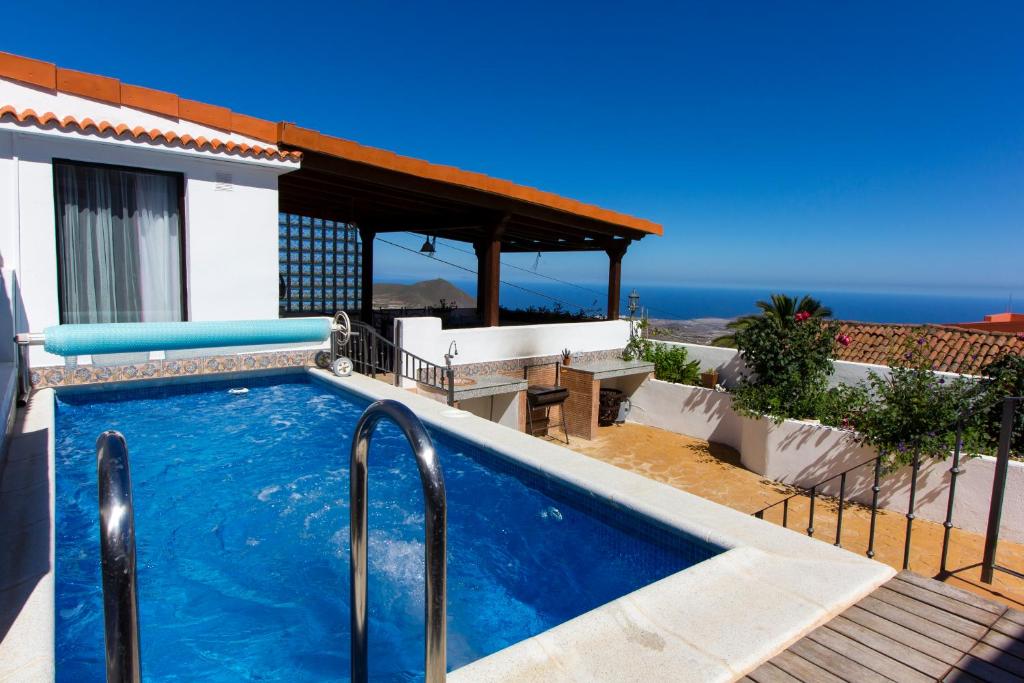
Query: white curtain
point(120, 257)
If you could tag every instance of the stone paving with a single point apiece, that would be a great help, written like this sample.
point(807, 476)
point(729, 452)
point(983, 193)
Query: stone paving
point(714, 472)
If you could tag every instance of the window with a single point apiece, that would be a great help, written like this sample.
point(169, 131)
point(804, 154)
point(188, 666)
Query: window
point(120, 244)
point(319, 264)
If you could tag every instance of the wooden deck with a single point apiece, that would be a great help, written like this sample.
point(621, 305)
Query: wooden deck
point(910, 629)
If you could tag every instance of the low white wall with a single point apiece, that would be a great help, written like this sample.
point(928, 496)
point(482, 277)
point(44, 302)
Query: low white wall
point(804, 453)
point(730, 366)
point(425, 338)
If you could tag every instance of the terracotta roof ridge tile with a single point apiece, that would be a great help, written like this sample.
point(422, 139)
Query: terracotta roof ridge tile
point(28, 117)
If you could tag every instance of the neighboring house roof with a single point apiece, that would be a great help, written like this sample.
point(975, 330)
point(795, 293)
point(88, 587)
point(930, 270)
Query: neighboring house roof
point(140, 134)
point(997, 322)
point(951, 349)
point(111, 90)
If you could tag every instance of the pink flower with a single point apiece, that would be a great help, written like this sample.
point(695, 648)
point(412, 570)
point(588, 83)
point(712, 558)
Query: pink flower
point(844, 340)
point(801, 316)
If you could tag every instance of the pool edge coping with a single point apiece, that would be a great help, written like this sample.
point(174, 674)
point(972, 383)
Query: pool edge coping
point(598, 644)
point(27, 651)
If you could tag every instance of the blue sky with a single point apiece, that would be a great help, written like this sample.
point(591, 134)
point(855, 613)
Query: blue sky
point(788, 144)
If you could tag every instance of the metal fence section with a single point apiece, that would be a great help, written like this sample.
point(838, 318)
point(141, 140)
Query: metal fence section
point(989, 563)
point(372, 354)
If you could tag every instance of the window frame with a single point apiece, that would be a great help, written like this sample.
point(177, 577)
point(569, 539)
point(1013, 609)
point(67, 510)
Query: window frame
point(183, 251)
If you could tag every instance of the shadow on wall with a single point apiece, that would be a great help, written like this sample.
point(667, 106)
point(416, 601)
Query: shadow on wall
point(838, 451)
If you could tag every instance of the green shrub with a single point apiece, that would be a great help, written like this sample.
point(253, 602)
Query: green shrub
point(789, 362)
point(914, 412)
point(910, 412)
point(671, 365)
point(840, 406)
point(1005, 377)
point(638, 345)
point(670, 362)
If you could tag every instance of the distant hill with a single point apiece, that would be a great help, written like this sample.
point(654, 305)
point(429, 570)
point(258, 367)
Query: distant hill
point(420, 294)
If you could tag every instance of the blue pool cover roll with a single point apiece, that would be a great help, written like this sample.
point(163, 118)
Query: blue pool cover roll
point(79, 340)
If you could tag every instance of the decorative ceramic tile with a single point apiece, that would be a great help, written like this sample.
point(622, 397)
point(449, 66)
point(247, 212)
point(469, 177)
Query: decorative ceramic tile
point(92, 374)
point(50, 377)
point(142, 370)
point(181, 367)
point(215, 364)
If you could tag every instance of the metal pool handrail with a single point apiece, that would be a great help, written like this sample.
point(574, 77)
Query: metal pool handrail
point(436, 509)
point(117, 559)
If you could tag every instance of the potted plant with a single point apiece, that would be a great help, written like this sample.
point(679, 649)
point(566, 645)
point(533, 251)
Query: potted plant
point(709, 378)
point(566, 356)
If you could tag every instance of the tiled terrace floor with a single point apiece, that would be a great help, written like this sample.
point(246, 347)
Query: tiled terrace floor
point(714, 472)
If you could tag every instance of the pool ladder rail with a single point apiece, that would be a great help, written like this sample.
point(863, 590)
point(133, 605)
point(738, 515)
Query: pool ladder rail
point(117, 559)
point(117, 547)
point(436, 513)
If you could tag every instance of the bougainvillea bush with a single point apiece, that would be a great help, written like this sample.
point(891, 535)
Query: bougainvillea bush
point(788, 364)
point(910, 412)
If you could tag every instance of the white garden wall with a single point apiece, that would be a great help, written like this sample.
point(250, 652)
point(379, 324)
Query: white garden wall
point(425, 338)
point(803, 454)
point(730, 366)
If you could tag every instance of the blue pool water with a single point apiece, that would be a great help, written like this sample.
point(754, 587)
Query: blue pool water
point(241, 505)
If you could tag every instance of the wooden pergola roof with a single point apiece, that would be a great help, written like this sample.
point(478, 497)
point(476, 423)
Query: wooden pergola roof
point(386, 192)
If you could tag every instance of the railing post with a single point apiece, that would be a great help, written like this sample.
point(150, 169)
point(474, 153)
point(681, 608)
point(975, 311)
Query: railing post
point(398, 365)
point(875, 488)
point(915, 468)
point(995, 510)
point(839, 514)
point(810, 516)
point(449, 374)
point(954, 471)
point(373, 356)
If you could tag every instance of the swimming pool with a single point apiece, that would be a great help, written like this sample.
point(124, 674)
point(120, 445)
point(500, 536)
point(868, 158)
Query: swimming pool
point(241, 504)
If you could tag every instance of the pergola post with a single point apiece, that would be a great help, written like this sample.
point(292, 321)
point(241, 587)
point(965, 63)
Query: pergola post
point(366, 236)
point(489, 271)
point(615, 254)
point(478, 247)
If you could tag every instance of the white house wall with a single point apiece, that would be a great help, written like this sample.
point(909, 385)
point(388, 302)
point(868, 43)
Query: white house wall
point(231, 228)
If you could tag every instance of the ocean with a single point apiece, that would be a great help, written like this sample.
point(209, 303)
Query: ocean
point(688, 303)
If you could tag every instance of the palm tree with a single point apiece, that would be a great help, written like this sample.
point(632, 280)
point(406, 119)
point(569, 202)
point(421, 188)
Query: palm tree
point(782, 309)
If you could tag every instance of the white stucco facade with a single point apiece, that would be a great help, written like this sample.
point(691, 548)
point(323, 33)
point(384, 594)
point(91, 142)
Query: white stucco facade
point(230, 210)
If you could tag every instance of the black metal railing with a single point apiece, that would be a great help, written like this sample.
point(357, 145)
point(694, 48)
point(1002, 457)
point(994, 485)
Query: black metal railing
point(988, 564)
point(372, 354)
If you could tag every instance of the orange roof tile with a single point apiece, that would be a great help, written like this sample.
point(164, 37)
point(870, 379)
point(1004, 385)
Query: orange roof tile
point(123, 132)
point(112, 91)
point(953, 349)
